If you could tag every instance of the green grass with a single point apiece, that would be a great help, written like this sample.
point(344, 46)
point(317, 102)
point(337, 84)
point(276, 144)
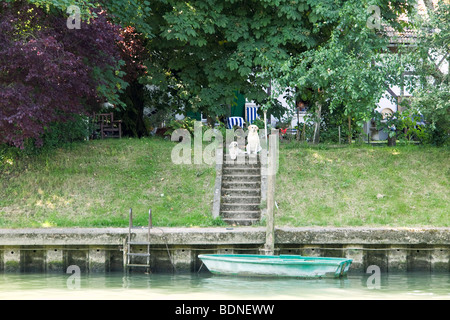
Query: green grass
point(93, 184)
point(363, 186)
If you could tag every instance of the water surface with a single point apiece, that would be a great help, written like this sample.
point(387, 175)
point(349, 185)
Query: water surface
point(206, 286)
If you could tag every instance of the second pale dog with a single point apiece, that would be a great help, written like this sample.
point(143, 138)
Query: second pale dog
point(234, 150)
point(254, 145)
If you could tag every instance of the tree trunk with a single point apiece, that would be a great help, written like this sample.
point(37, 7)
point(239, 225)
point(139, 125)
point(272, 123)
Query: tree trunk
point(211, 121)
point(304, 132)
point(133, 116)
point(392, 142)
point(349, 129)
point(316, 137)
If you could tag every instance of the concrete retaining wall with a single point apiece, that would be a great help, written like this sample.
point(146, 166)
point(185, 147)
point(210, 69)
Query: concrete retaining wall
point(100, 250)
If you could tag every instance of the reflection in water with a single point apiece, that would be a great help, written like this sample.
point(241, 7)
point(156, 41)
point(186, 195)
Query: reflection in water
point(206, 286)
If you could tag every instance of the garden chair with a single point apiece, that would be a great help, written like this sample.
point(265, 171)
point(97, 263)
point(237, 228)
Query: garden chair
point(107, 126)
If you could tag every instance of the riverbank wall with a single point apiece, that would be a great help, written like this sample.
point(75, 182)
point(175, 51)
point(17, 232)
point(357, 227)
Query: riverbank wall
point(177, 249)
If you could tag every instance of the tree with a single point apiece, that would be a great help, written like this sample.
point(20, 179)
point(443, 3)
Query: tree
point(348, 68)
point(134, 53)
point(429, 61)
point(209, 49)
point(48, 72)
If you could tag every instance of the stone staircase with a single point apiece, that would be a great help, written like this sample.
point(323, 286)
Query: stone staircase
point(241, 191)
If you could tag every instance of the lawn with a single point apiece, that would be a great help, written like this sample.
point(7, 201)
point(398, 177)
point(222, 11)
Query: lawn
point(363, 186)
point(93, 184)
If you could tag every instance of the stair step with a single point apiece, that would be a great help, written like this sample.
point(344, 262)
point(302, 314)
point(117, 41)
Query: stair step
point(241, 171)
point(241, 199)
point(241, 214)
point(227, 165)
point(236, 184)
point(241, 222)
point(230, 186)
point(253, 156)
point(240, 192)
point(241, 177)
point(240, 207)
point(228, 162)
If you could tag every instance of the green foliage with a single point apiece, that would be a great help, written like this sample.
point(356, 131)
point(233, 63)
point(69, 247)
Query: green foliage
point(57, 134)
point(430, 86)
point(187, 123)
point(332, 119)
point(162, 104)
point(110, 83)
point(389, 123)
point(407, 125)
point(75, 128)
point(7, 157)
point(413, 127)
point(209, 49)
point(259, 123)
point(346, 69)
point(125, 13)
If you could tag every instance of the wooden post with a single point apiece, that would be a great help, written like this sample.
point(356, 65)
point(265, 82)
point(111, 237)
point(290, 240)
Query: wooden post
point(269, 247)
point(316, 136)
point(265, 125)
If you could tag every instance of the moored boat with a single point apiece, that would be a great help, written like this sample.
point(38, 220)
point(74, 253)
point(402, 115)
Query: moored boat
point(276, 265)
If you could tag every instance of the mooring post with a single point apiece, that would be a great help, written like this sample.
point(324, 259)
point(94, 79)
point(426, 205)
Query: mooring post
point(269, 247)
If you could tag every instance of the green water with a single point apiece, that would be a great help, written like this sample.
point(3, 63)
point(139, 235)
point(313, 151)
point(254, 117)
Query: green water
point(207, 286)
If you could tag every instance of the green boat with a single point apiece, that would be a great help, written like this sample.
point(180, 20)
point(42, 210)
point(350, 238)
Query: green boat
point(276, 266)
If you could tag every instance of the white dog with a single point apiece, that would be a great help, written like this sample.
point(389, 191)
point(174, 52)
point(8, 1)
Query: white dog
point(254, 145)
point(234, 150)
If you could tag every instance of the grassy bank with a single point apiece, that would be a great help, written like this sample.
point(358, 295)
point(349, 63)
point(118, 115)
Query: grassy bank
point(94, 184)
point(363, 186)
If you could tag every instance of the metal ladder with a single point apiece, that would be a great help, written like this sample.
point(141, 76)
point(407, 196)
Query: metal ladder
point(130, 244)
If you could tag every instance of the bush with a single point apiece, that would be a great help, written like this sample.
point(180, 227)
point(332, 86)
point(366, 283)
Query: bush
point(187, 123)
point(57, 134)
point(78, 128)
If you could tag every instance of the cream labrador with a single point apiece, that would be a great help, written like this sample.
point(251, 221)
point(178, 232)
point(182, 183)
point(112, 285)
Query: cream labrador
point(254, 145)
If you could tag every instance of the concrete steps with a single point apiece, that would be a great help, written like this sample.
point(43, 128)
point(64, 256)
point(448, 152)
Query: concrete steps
point(241, 191)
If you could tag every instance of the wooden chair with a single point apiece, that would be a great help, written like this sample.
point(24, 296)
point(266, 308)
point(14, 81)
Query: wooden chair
point(108, 127)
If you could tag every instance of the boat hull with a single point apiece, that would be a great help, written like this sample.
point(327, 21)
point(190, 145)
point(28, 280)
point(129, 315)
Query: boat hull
point(276, 266)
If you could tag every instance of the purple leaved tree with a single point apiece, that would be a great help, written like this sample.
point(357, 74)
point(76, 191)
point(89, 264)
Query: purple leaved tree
point(49, 72)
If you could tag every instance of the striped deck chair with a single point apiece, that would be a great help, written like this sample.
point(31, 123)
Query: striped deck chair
point(235, 121)
point(251, 114)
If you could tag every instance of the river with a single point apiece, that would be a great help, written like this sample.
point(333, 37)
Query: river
point(111, 286)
